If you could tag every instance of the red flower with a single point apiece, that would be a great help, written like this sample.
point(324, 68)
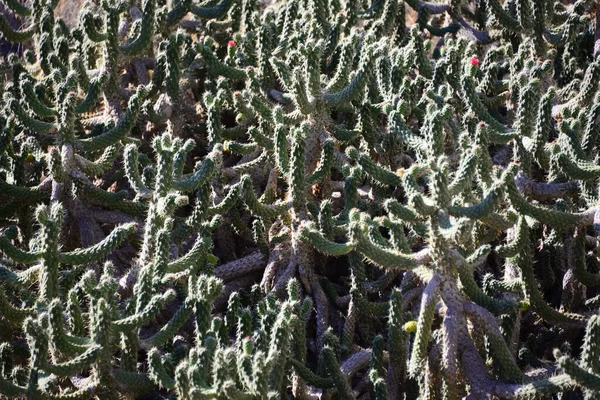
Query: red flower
point(474, 61)
point(231, 43)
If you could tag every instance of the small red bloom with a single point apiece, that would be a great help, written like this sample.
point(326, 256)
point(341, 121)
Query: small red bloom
point(231, 43)
point(474, 61)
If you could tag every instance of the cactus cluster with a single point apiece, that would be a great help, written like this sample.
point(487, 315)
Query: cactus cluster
point(311, 199)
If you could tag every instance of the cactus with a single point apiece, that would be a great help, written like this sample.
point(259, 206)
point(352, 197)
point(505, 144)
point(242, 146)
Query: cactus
point(307, 198)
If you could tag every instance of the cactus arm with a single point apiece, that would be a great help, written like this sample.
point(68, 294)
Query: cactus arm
point(556, 219)
point(309, 234)
point(283, 72)
point(99, 250)
point(75, 365)
point(545, 191)
point(379, 385)
point(416, 200)
point(144, 39)
point(387, 258)
point(474, 102)
point(26, 193)
point(371, 308)
point(528, 98)
point(579, 263)
point(400, 212)
point(197, 252)
point(240, 267)
point(255, 206)
point(530, 284)
point(299, 95)
point(242, 149)
point(501, 354)
point(503, 17)
point(499, 137)
point(109, 200)
point(251, 166)
point(310, 377)
point(230, 199)
point(179, 157)
point(475, 293)
point(179, 10)
point(542, 388)
point(578, 169)
point(31, 123)
point(159, 72)
point(10, 390)
point(157, 372)
point(87, 167)
point(543, 126)
point(484, 208)
point(120, 131)
point(260, 139)
point(130, 162)
point(33, 100)
point(345, 135)
point(93, 94)
point(429, 300)
point(585, 379)
point(397, 339)
point(18, 8)
point(16, 36)
point(168, 330)
point(74, 313)
point(589, 353)
point(193, 181)
point(211, 12)
point(14, 315)
point(589, 84)
point(98, 167)
point(260, 105)
point(340, 77)
point(355, 86)
point(218, 68)
point(90, 29)
point(512, 249)
point(333, 369)
point(377, 172)
point(8, 276)
point(279, 348)
point(29, 275)
point(150, 311)
point(134, 384)
point(590, 135)
point(65, 344)
point(324, 164)
point(465, 173)
point(18, 255)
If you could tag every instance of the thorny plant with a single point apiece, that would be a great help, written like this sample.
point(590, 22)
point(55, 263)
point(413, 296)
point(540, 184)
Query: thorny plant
point(308, 198)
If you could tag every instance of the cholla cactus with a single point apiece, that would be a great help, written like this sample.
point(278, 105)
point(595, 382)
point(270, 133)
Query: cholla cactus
point(314, 199)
